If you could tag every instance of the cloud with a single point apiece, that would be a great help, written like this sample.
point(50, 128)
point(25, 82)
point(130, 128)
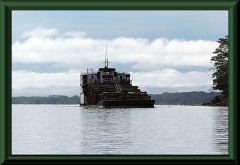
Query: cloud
point(68, 83)
point(153, 64)
point(74, 34)
point(76, 51)
point(170, 78)
point(44, 84)
point(40, 32)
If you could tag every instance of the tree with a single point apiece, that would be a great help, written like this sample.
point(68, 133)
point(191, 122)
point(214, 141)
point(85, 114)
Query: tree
point(220, 75)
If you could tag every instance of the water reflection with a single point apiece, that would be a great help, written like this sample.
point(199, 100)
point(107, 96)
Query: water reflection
point(221, 129)
point(171, 130)
point(105, 131)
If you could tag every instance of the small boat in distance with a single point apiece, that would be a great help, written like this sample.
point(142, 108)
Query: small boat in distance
point(112, 89)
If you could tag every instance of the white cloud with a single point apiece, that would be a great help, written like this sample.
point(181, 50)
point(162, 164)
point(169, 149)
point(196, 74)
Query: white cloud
point(158, 61)
point(40, 32)
point(75, 51)
point(170, 78)
point(44, 84)
point(68, 83)
point(74, 34)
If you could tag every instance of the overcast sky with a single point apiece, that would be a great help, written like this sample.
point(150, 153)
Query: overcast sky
point(165, 51)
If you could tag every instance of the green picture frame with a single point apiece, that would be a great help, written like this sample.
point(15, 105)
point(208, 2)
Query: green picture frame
point(6, 7)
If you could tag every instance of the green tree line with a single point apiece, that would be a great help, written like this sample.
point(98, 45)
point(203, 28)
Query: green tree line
point(51, 99)
point(184, 98)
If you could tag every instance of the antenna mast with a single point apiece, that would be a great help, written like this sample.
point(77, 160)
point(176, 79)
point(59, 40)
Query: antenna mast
point(106, 58)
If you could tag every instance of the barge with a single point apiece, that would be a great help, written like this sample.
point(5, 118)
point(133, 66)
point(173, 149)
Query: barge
point(111, 89)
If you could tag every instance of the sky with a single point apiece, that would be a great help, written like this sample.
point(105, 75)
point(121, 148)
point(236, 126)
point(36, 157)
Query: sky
point(164, 51)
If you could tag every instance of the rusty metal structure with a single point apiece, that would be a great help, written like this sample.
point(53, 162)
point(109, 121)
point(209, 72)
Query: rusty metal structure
point(108, 88)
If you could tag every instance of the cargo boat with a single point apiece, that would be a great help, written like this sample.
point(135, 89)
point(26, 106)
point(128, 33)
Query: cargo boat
point(109, 88)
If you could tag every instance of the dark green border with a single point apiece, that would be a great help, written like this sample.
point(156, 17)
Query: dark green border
point(6, 6)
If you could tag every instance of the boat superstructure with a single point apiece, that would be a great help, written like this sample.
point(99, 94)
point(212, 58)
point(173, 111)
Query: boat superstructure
point(109, 88)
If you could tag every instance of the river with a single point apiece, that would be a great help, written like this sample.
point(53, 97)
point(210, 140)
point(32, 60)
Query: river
point(162, 130)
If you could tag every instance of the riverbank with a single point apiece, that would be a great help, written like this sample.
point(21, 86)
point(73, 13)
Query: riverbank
point(217, 101)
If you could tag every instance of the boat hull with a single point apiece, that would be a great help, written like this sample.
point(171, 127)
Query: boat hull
point(128, 103)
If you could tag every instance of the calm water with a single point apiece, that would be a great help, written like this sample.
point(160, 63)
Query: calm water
point(163, 130)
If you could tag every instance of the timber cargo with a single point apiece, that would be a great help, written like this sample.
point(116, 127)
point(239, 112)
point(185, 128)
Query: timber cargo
point(109, 88)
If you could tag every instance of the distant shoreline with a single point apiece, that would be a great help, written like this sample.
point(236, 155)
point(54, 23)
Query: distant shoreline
point(177, 98)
